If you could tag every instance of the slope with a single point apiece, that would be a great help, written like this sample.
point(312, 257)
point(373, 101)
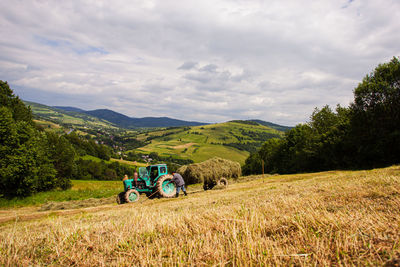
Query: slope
point(231, 140)
point(337, 218)
point(124, 121)
point(67, 118)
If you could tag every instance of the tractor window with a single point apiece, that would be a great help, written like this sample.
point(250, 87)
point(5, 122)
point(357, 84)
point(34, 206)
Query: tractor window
point(154, 172)
point(163, 170)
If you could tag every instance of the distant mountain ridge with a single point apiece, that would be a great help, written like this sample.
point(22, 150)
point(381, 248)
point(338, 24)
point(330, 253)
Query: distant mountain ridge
point(73, 109)
point(124, 121)
point(120, 120)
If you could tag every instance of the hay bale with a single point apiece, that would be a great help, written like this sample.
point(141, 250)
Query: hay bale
point(210, 171)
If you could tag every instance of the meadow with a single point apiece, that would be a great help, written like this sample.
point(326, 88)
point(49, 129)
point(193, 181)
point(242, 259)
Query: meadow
point(200, 143)
point(329, 218)
point(80, 190)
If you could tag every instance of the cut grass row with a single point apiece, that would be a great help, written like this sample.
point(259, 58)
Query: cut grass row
point(330, 218)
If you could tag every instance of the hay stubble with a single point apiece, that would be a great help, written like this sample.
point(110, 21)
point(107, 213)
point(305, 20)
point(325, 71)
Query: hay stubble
point(340, 218)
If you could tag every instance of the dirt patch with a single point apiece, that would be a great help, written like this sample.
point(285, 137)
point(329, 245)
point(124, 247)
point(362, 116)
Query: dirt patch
point(187, 145)
point(77, 204)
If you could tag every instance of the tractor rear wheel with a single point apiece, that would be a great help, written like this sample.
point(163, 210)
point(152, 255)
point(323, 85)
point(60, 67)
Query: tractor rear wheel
point(131, 195)
point(165, 186)
point(223, 182)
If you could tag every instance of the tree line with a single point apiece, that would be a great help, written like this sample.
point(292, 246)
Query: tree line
point(32, 160)
point(364, 135)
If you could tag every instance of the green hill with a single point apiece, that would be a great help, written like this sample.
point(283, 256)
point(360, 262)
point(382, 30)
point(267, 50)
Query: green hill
point(231, 140)
point(67, 118)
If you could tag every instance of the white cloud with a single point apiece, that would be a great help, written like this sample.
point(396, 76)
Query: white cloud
point(196, 60)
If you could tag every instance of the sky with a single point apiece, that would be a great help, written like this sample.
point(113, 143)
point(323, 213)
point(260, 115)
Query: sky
point(207, 61)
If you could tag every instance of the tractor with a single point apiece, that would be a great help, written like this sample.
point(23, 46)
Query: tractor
point(153, 180)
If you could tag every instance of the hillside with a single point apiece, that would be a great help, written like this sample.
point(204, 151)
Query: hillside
point(124, 121)
point(67, 118)
point(336, 218)
point(230, 140)
point(233, 140)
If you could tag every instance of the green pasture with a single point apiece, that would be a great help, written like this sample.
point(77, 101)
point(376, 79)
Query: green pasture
point(80, 190)
point(203, 142)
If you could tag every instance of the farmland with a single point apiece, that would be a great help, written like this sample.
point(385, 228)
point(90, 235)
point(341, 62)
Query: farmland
point(200, 143)
point(326, 218)
point(60, 117)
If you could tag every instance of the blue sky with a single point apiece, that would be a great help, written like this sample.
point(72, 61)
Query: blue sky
point(209, 61)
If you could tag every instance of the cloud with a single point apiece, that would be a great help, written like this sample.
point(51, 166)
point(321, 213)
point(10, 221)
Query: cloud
point(271, 60)
point(187, 65)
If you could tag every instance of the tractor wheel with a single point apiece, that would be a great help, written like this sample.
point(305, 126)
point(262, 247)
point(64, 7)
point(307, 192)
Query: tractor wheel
point(223, 182)
point(131, 196)
point(121, 198)
point(165, 186)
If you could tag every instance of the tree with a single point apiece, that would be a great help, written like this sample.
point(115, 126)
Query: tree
point(24, 165)
point(18, 109)
point(376, 116)
point(62, 154)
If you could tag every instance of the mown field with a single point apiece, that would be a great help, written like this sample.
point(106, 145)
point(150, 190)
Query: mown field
point(331, 218)
point(200, 143)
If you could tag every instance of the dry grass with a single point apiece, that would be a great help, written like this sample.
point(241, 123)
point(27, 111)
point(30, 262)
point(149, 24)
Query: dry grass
point(210, 171)
point(330, 218)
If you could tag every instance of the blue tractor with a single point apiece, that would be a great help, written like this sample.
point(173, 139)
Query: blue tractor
point(153, 180)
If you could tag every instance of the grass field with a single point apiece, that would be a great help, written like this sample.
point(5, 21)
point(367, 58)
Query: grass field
point(203, 142)
point(339, 218)
point(80, 190)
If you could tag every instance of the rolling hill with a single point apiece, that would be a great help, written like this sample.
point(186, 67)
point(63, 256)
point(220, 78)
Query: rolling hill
point(231, 140)
point(67, 118)
point(124, 121)
point(101, 118)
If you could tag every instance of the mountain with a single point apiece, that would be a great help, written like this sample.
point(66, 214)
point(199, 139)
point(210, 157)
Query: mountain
point(114, 117)
point(128, 122)
point(73, 109)
point(69, 118)
point(109, 118)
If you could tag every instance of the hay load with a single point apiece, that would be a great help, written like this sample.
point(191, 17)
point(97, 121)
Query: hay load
point(210, 172)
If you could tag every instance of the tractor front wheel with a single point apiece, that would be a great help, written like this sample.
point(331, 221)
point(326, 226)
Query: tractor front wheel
point(165, 186)
point(131, 196)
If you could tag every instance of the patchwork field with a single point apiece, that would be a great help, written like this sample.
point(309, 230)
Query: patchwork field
point(328, 218)
point(50, 116)
point(200, 143)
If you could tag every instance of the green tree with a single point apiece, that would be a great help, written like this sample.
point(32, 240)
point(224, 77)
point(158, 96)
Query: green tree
point(376, 116)
point(18, 109)
point(62, 154)
point(24, 165)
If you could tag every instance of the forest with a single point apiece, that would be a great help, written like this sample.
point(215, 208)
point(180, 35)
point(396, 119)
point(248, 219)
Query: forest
point(364, 135)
